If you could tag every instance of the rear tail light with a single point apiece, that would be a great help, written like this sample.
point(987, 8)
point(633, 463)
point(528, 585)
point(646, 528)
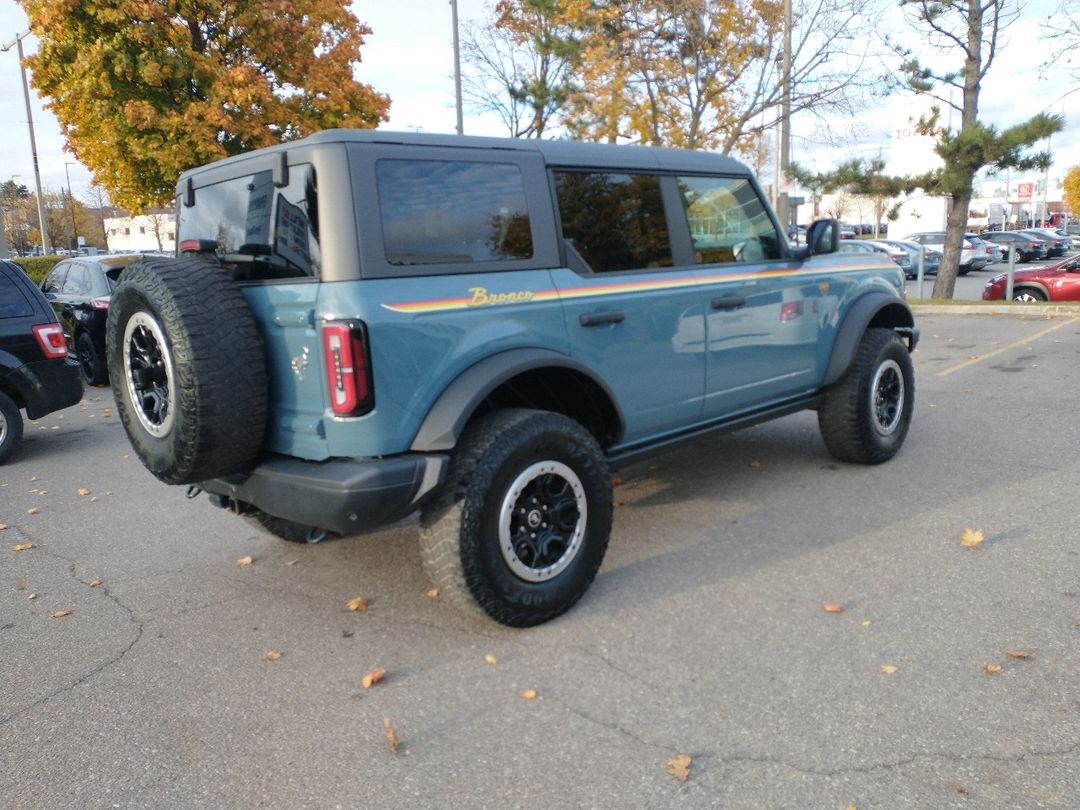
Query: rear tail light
point(348, 370)
point(100, 303)
point(50, 337)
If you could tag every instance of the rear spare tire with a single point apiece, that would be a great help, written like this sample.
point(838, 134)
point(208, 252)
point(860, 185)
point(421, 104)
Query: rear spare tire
point(187, 368)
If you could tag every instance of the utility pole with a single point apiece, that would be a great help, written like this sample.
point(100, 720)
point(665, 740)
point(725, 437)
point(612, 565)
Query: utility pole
point(71, 207)
point(782, 208)
point(457, 70)
point(45, 246)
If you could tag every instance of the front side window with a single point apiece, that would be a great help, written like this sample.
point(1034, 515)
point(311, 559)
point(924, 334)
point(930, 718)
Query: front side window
point(55, 280)
point(728, 222)
point(444, 211)
point(261, 231)
point(615, 221)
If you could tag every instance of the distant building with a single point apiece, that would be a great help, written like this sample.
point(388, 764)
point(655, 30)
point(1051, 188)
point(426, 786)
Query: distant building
point(154, 230)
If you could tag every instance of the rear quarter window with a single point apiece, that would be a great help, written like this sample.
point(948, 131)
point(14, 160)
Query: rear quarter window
point(13, 301)
point(449, 212)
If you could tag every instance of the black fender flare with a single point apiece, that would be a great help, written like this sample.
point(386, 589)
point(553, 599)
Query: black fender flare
point(878, 308)
point(453, 408)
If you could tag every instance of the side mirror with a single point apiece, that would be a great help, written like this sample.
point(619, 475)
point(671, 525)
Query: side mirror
point(823, 236)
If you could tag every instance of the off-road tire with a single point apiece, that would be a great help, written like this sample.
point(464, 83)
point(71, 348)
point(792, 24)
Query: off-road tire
point(488, 480)
point(11, 426)
point(187, 368)
point(864, 416)
point(91, 363)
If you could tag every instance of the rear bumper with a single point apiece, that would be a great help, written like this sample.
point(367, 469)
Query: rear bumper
point(342, 495)
point(48, 385)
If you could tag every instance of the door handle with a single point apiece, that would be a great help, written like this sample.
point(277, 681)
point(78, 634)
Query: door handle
point(731, 302)
point(600, 318)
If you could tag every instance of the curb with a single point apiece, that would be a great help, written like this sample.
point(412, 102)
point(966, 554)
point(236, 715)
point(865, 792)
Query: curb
point(1022, 310)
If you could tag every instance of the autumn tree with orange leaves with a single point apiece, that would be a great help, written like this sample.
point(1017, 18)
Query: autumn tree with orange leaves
point(696, 74)
point(145, 89)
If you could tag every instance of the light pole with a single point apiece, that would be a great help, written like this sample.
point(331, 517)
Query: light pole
point(71, 207)
point(45, 246)
point(457, 69)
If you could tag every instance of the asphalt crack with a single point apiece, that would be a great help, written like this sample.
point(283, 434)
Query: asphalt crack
point(111, 661)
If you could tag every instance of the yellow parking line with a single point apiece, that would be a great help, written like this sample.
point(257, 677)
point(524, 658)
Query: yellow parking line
point(946, 372)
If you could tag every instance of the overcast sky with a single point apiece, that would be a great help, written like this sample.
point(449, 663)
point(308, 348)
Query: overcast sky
point(410, 57)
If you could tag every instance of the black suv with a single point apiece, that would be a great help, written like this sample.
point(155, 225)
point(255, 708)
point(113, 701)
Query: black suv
point(36, 373)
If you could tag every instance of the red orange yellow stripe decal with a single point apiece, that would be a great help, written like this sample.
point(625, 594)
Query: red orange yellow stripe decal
point(479, 296)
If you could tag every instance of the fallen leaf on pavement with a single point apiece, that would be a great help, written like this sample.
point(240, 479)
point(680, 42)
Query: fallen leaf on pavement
point(679, 767)
point(271, 655)
point(357, 604)
point(31, 596)
point(755, 464)
point(372, 678)
point(33, 510)
point(991, 669)
point(3, 526)
point(291, 563)
point(833, 607)
point(970, 538)
point(245, 560)
point(94, 583)
point(491, 660)
point(22, 547)
point(391, 734)
point(1021, 655)
point(82, 491)
point(59, 614)
point(433, 593)
point(889, 669)
point(528, 694)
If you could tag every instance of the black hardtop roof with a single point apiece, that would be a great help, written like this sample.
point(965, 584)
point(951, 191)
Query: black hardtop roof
point(555, 153)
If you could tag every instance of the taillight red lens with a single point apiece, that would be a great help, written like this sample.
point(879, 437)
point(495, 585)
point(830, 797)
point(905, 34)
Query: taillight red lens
point(50, 337)
point(100, 303)
point(348, 375)
point(790, 310)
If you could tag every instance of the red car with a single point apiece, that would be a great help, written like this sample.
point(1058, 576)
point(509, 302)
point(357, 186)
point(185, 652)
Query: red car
point(1056, 282)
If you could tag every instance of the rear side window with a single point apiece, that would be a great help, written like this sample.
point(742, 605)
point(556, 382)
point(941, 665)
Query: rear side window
point(13, 303)
point(445, 211)
point(728, 221)
point(77, 282)
point(615, 221)
point(262, 232)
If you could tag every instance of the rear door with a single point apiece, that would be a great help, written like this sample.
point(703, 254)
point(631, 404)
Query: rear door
point(632, 314)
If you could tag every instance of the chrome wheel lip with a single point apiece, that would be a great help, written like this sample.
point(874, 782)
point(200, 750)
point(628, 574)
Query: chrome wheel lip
point(3, 428)
point(512, 502)
point(887, 393)
point(154, 422)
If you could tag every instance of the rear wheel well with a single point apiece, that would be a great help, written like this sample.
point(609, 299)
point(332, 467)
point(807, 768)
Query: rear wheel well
point(559, 390)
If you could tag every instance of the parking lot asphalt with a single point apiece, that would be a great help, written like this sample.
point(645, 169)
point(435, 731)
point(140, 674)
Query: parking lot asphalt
point(134, 674)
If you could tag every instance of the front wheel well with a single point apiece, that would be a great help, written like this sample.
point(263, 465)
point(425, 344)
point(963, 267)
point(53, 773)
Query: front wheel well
point(559, 390)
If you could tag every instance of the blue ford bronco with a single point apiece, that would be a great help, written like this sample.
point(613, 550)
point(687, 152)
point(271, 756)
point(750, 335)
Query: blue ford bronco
point(361, 325)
